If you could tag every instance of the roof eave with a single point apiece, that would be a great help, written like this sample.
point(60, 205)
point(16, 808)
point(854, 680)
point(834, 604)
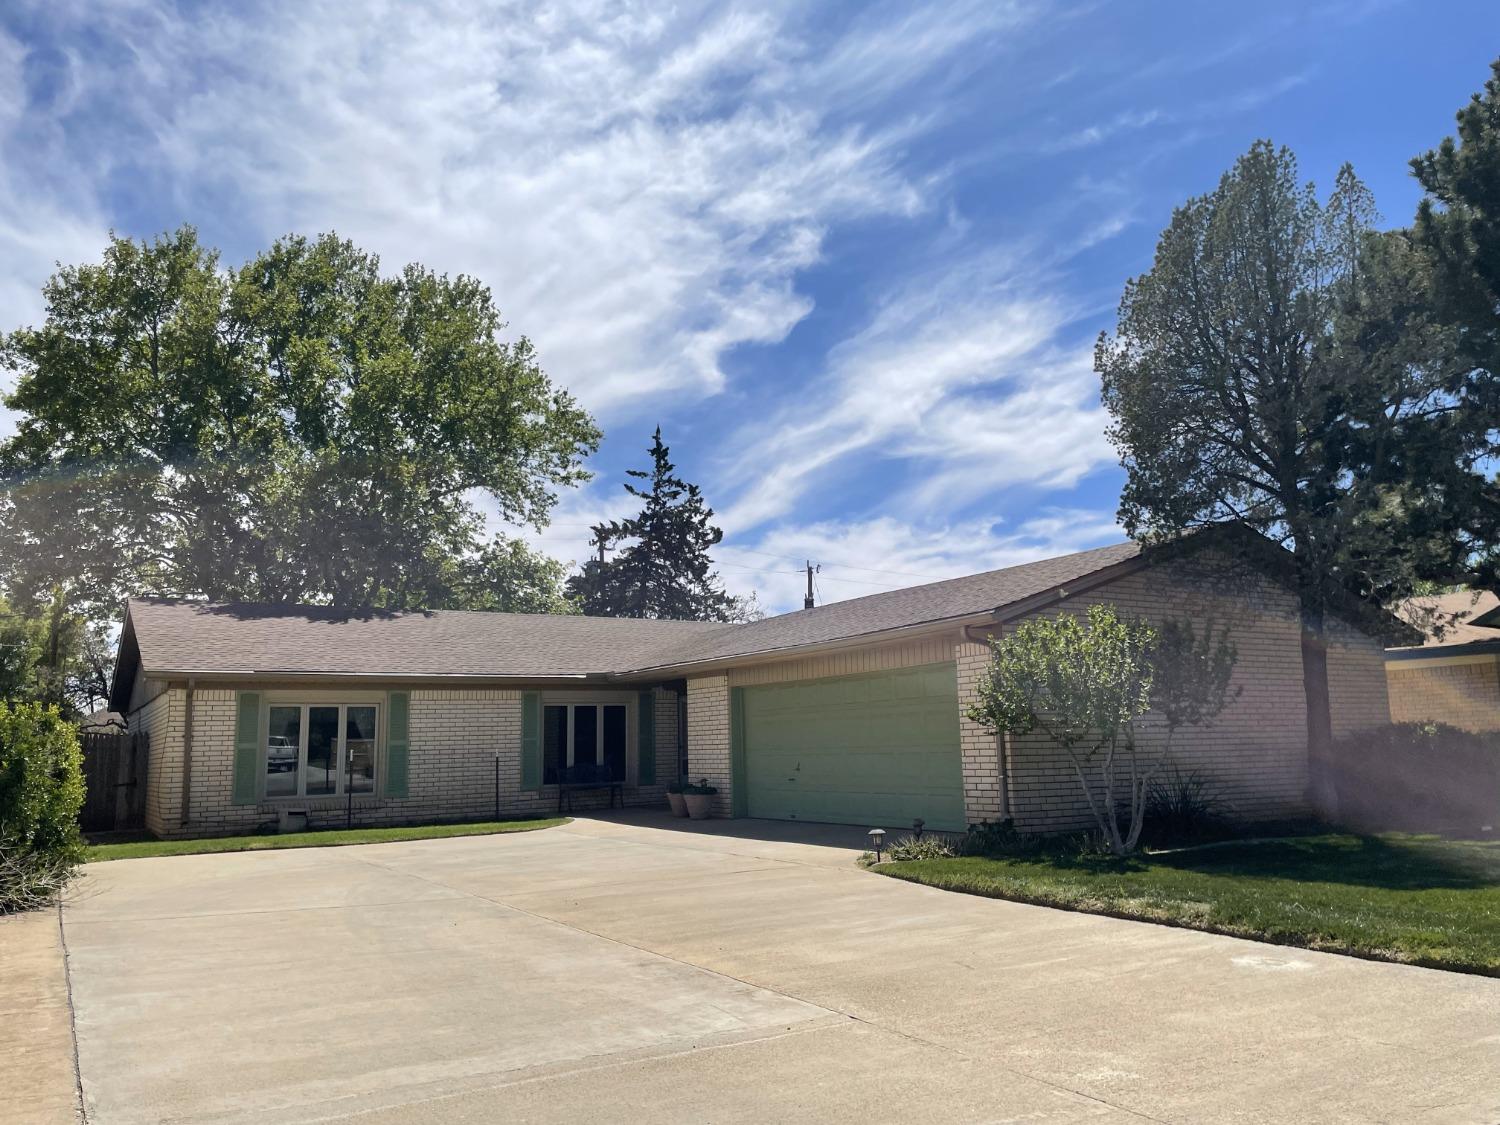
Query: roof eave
point(785, 652)
point(215, 674)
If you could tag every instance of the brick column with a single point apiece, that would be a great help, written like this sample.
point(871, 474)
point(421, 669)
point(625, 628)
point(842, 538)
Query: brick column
point(708, 737)
point(983, 798)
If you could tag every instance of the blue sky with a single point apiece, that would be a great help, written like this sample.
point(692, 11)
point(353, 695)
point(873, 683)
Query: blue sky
point(851, 257)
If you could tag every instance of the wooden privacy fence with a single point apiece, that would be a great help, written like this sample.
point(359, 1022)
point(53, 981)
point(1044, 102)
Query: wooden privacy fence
point(114, 779)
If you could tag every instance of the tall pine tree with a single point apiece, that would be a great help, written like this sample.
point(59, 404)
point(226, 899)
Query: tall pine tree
point(663, 570)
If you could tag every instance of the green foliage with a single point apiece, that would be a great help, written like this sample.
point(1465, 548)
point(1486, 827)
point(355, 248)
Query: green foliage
point(31, 879)
point(41, 792)
point(1086, 682)
point(1182, 808)
point(1419, 777)
point(509, 577)
point(664, 570)
point(53, 656)
point(1458, 229)
point(997, 838)
point(1397, 898)
point(700, 788)
point(1458, 224)
point(1279, 366)
point(302, 428)
point(1079, 681)
point(928, 847)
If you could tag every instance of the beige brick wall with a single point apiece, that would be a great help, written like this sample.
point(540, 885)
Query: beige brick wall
point(983, 797)
point(161, 718)
point(456, 736)
point(1463, 694)
point(708, 737)
point(849, 662)
point(1254, 755)
point(1357, 688)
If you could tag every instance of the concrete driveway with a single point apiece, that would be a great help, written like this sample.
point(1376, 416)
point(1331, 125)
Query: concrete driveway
point(616, 970)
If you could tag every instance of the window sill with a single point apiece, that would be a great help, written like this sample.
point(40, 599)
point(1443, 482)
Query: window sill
point(367, 801)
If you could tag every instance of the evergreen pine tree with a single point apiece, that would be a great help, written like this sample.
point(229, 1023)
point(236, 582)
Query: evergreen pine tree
point(663, 570)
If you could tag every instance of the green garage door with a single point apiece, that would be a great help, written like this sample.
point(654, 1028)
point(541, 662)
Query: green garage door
point(879, 749)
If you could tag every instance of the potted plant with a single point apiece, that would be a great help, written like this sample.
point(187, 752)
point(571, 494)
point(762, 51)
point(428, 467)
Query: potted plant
point(699, 799)
point(676, 799)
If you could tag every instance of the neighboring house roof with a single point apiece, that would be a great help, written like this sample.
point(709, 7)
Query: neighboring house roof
point(180, 638)
point(1453, 624)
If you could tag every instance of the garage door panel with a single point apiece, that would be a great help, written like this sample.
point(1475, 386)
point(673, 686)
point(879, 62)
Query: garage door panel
point(862, 749)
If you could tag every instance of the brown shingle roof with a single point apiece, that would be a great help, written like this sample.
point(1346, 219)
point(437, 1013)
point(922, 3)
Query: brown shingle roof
point(180, 636)
point(916, 605)
point(1447, 619)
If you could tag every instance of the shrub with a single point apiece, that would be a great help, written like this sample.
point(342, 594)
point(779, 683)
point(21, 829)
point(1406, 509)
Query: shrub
point(1418, 777)
point(1182, 808)
point(41, 791)
point(31, 879)
point(924, 847)
point(998, 838)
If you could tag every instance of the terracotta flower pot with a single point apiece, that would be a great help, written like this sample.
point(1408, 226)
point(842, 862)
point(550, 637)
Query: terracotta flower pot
point(678, 803)
point(700, 806)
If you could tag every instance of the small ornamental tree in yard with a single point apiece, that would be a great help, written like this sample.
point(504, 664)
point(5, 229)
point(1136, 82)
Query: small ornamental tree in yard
point(1087, 683)
point(41, 791)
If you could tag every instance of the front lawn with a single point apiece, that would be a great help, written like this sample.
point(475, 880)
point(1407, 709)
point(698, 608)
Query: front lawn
point(1418, 899)
point(324, 838)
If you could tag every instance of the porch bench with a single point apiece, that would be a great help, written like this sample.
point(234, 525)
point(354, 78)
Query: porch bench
point(571, 779)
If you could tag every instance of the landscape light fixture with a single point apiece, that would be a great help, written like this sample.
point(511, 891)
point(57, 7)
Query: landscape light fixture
point(877, 837)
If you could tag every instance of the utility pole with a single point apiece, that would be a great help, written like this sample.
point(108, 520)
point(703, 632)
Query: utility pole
point(807, 602)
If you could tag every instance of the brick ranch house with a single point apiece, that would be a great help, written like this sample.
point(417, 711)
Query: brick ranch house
point(849, 713)
point(1453, 676)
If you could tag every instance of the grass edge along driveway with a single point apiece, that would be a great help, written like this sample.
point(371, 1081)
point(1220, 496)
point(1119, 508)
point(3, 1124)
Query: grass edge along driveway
point(321, 838)
point(1418, 900)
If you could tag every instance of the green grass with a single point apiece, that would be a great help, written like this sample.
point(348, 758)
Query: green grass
point(325, 838)
point(1416, 899)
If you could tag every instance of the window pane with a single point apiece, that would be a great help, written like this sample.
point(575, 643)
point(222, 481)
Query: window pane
point(283, 743)
point(322, 751)
point(359, 744)
point(554, 742)
point(614, 741)
point(585, 735)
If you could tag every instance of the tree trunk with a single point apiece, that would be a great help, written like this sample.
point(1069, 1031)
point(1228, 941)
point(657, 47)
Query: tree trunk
point(1321, 794)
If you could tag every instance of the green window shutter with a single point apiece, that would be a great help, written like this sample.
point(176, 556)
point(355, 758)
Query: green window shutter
point(531, 740)
point(398, 744)
point(246, 789)
point(645, 749)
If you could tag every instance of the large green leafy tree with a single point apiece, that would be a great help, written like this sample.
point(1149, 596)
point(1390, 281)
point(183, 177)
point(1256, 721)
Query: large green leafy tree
point(303, 428)
point(664, 569)
point(1279, 366)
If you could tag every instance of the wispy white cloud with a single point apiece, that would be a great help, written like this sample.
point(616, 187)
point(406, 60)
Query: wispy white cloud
point(640, 185)
point(868, 556)
point(964, 374)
